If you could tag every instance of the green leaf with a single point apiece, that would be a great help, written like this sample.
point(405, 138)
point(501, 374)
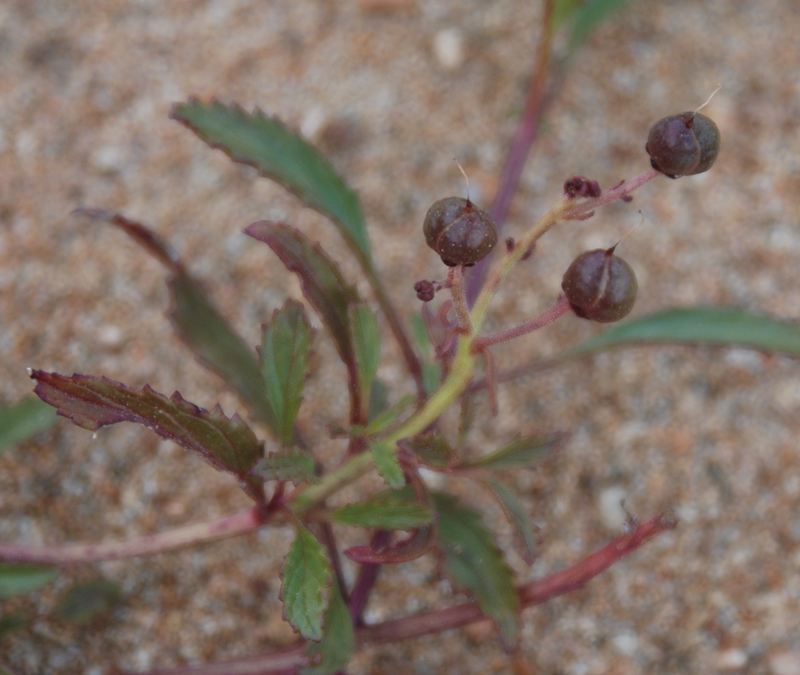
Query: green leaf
point(520, 519)
point(17, 579)
point(217, 345)
point(384, 513)
point(276, 152)
point(521, 453)
point(307, 576)
point(390, 416)
point(24, 420)
point(195, 319)
point(431, 371)
point(721, 326)
point(84, 602)
point(338, 642)
point(285, 352)
point(91, 402)
point(10, 624)
point(378, 400)
point(433, 448)
point(367, 340)
point(474, 563)
point(323, 284)
point(389, 466)
point(584, 16)
point(291, 464)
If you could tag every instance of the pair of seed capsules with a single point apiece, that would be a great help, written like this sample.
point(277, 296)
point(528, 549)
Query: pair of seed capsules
point(599, 285)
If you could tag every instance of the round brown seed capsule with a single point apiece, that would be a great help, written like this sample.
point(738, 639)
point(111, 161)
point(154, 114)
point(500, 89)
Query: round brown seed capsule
point(600, 286)
point(460, 232)
point(683, 145)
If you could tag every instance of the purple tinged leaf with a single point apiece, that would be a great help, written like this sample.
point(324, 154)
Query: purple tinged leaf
point(291, 464)
point(521, 453)
point(197, 321)
point(286, 157)
point(432, 449)
point(416, 545)
point(338, 640)
point(307, 576)
point(387, 463)
point(518, 517)
point(323, 286)
point(285, 351)
point(475, 563)
point(386, 514)
point(90, 402)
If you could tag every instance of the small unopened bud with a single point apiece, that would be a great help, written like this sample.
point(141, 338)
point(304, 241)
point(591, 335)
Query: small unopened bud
point(579, 186)
point(425, 290)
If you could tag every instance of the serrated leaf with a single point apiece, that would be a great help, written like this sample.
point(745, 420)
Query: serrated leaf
point(385, 514)
point(276, 152)
point(389, 466)
point(307, 576)
point(196, 320)
point(338, 642)
point(521, 453)
point(474, 563)
point(23, 421)
point(285, 351)
point(323, 284)
point(17, 579)
point(291, 464)
point(10, 624)
point(217, 345)
point(518, 517)
point(721, 326)
point(390, 416)
point(432, 449)
point(84, 602)
point(367, 342)
point(91, 402)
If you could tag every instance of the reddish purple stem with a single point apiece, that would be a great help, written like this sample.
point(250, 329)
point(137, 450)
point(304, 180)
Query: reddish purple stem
point(559, 309)
point(238, 523)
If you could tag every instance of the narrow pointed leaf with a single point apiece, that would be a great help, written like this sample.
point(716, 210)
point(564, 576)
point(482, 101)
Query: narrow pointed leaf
point(584, 16)
point(23, 421)
point(338, 641)
point(285, 351)
point(378, 400)
point(266, 144)
point(520, 519)
point(198, 323)
point(84, 602)
point(291, 464)
point(226, 443)
point(17, 579)
point(431, 370)
point(721, 326)
point(10, 624)
point(432, 449)
point(367, 342)
point(323, 284)
point(387, 418)
point(521, 453)
point(306, 591)
point(389, 466)
point(384, 513)
point(473, 562)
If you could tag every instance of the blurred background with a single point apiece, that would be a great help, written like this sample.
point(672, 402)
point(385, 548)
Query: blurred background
point(392, 91)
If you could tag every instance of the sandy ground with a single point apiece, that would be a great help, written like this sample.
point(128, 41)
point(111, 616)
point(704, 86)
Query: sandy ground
point(85, 88)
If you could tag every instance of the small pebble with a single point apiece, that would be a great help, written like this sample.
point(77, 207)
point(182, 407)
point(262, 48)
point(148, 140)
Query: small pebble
point(785, 663)
point(610, 503)
point(448, 48)
point(626, 642)
point(110, 336)
point(731, 660)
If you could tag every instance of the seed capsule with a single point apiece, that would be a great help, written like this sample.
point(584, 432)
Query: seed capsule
point(460, 232)
point(600, 286)
point(683, 145)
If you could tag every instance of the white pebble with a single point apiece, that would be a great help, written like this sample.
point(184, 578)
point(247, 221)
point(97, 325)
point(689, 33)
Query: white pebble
point(611, 510)
point(448, 48)
point(785, 663)
point(626, 642)
point(110, 336)
point(731, 659)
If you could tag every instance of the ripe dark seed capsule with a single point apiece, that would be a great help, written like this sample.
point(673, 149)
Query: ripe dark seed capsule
point(683, 145)
point(600, 286)
point(460, 232)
